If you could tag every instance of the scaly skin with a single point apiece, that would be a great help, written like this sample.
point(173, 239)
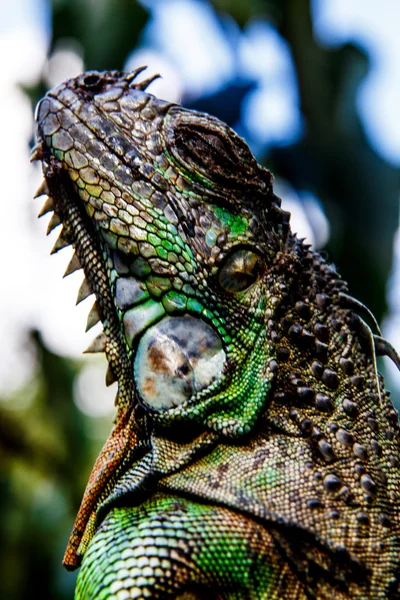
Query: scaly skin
point(255, 450)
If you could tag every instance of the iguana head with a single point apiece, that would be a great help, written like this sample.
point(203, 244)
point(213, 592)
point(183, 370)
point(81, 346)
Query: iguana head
point(212, 310)
point(178, 231)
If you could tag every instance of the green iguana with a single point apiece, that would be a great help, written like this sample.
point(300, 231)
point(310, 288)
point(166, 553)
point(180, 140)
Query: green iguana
point(255, 451)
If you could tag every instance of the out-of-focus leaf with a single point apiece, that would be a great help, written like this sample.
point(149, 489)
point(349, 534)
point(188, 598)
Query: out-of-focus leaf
point(107, 30)
point(243, 12)
point(336, 161)
point(45, 458)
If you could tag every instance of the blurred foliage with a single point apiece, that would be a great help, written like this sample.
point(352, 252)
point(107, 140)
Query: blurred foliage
point(46, 453)
point(334, 158)
point(46, 443)
point(107, 30)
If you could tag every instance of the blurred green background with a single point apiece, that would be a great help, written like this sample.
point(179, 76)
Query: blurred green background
point(309, 134)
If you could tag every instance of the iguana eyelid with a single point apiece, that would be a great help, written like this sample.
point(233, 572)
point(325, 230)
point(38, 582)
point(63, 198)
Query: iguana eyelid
point(240, 270)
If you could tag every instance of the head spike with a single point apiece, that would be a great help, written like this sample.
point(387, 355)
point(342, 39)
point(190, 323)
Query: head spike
point(93, 317)
point(47, 206)
point(143, 85)
point(42, 189)
point(131, 76)
point(84, 291)
point(98, 344)
point(350, 302)
point(54, 222)
point(366, 336)
point(60, 244)
point(385, 348)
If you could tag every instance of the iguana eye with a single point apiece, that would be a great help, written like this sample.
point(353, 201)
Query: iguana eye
point(240, 270)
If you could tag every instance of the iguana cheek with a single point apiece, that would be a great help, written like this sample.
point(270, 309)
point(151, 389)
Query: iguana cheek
point(176, 359)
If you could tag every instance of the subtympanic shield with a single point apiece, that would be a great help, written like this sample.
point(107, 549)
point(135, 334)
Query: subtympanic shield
point(176, 359)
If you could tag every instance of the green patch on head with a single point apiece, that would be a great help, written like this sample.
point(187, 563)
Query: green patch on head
point(235, 401)
point(236, 223)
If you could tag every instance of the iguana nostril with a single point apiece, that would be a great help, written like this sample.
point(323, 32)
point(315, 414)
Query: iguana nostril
point(92, 81)
point(177, 358)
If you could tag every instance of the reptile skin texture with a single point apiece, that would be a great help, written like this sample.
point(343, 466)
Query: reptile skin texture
point(255, 450)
